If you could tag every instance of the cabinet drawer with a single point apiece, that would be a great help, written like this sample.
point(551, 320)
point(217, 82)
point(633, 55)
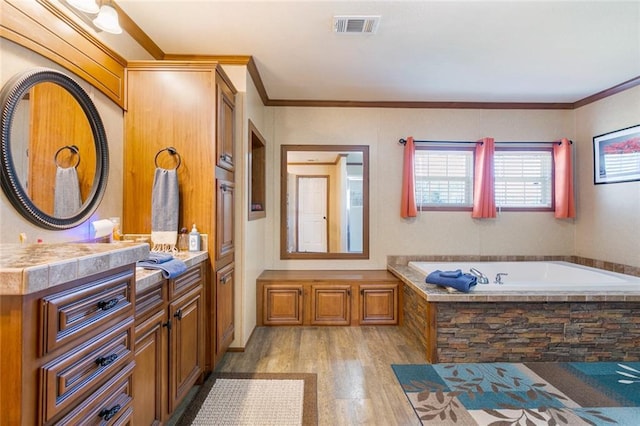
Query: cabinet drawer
point(67, 378)
point(185, 282)
point(83, 311)
point(109, 405)
point(150, 301)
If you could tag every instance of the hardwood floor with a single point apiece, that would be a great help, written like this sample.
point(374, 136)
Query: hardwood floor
point(356, 385)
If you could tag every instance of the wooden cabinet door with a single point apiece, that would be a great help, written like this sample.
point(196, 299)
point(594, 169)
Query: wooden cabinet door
point(225, 218)
point(186, 354)
point(150, 374)
point(224, 308)
point(330, 304)
point(225, 133)
point(282, 304)
point(379, 303)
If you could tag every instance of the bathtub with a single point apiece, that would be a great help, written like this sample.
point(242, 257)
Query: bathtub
point(537, 276)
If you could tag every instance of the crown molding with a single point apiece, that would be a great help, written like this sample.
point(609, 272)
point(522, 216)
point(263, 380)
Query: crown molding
point(137, 34)
point(608, 92)
point(418, 104)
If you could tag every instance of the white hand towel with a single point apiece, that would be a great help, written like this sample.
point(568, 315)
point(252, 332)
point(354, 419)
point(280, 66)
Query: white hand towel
point(66, 199)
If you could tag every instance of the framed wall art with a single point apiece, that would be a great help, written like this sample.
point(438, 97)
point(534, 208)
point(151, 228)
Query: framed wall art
point(616, 156)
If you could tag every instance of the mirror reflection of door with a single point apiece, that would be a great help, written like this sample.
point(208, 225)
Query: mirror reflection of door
point(345, 234)
point(354, 209)
point(312, 213)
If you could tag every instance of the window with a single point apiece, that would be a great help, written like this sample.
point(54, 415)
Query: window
point(523, 179)
point(444, 178)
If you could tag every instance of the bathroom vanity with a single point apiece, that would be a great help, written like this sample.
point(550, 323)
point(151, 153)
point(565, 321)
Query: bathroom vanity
point(70, 323)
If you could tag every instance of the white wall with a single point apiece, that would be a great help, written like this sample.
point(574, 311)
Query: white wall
point(432, 232)
point(15, 59)
point(250, 235)
point(608, 216)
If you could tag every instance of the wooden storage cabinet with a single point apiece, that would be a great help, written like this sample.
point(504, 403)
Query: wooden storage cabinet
point(64, 346)
point(282, 304)
point(76, 373)
point(189, 105)
point(379, 303)
point(225, 244)
point(225, 136)
point(112, 404)
point(169, 337)
point(330, 304)
point(327, 298)
point(151, 373)
point(225, 320)
point(185, 343)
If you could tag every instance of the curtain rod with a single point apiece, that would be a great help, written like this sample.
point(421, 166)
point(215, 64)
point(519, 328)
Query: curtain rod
point(404, 142)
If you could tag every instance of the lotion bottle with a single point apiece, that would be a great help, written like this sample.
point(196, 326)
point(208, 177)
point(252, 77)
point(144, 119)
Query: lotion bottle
point(194, 239)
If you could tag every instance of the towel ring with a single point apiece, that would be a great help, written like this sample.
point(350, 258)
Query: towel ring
point(74, 150)
point(171, 150)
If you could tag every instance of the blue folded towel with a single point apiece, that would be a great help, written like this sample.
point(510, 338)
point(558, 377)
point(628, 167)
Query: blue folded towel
point(170, 269)
point(462, 283)
point(157, 257)
point(451, 274)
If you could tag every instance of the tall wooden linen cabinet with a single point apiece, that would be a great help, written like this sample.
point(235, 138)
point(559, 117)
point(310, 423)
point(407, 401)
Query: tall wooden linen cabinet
point(187, 105)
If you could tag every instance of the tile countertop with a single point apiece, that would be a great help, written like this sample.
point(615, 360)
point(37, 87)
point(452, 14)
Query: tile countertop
point(29, 268)
point(146, 278)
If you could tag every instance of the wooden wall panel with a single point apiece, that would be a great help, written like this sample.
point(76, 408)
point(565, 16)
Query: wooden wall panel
point(45, 29)
point(170, 107)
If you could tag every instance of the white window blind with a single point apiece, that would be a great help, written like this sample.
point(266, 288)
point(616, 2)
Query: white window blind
point(523, 179)
point(444, 178)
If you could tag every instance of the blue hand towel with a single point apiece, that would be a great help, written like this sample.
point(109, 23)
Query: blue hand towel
point(451, 274)
point(462, 283)
point(157, 257)
point(170, 269)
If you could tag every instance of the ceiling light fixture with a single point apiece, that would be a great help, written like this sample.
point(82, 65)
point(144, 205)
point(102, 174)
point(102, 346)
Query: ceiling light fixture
point(107, 20)
point(86, 6)
point(99, 13)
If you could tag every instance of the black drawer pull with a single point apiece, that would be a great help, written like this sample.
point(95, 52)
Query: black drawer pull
point(109, 304)
point(167, 324)
point(178, 314)
point(103, 361)
point(108, 413)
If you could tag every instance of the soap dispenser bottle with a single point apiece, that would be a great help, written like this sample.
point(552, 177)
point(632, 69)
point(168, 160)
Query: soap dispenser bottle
point(194, 239)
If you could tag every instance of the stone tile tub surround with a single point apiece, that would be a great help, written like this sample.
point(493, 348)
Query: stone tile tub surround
point(458, 327)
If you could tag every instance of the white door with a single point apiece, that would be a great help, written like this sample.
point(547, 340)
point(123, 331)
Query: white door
point(312, 214)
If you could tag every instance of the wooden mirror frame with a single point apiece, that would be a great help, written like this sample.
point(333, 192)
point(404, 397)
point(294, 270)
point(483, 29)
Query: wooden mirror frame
point(284, 150)
point(12, 93)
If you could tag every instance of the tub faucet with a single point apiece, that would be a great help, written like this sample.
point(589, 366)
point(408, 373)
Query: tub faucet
point(499, 276)
point(482, 278)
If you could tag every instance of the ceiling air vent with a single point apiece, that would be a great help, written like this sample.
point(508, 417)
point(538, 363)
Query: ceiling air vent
point(355, 24)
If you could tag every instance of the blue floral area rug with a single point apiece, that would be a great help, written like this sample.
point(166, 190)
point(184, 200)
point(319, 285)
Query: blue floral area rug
point(541, 393)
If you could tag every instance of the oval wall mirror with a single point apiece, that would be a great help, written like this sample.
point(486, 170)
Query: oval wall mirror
point(54, 152)
point(324, 202)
